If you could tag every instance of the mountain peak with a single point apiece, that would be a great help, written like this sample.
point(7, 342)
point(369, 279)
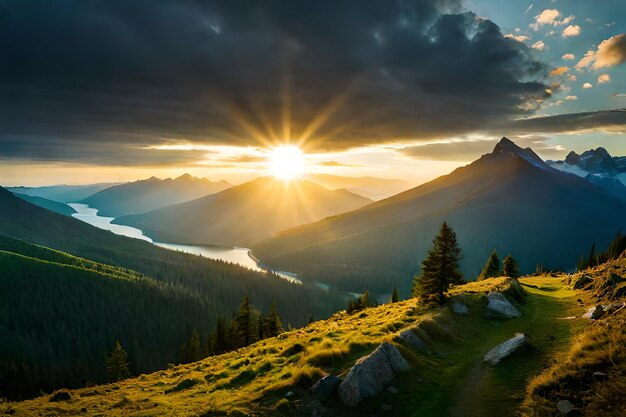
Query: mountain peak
point(185, 177)
point(506, 149)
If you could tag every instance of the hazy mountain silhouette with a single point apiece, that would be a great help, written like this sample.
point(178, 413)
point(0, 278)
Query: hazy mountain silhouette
point(146, 195)
point(509, 199)
point(245, 214)
point(52, 205)
point(370, 187)
point(62, 193)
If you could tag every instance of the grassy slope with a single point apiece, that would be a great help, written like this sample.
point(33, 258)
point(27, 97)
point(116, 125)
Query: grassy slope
point(450, 381)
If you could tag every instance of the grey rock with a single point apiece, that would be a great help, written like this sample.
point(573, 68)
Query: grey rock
point(506, 349)
point(594, 313)
point(371, 374)
point(413, 341)
point(499, 307)
point(289, 394)
point(325, 387)
point(565, 407)
point(459, 308)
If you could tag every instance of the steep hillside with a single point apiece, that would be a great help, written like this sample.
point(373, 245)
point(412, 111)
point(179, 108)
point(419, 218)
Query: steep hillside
point(61, 313)
point(51, 205)
point(146, 195)
point(62, 193)
point(245, 214)
point(508, 199)
point(447, 377)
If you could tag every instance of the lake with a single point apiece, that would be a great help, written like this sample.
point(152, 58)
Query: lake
point(239, 256)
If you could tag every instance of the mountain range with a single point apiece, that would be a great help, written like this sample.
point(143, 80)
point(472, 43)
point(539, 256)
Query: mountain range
point(370, 187)
point(503, 200)
point(146, 195)
point(245, 214)
point(62, 193)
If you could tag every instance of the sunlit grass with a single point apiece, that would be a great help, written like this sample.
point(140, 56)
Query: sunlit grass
point(256, 378)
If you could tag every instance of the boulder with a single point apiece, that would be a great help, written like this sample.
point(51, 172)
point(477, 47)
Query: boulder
point(413, 341)
point(499, 307)
point(594, 313)
point(565, 407)
point(372, 374)
point(325, 387)
point(459, 308)
point(506, 349)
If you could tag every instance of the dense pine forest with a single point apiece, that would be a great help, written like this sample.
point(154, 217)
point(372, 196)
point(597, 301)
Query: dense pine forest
point(114, 288)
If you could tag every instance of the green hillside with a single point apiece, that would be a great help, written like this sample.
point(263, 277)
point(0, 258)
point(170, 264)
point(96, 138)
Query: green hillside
point(272, 377)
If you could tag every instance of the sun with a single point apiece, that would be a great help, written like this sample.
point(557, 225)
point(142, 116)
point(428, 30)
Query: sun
point(286, 162)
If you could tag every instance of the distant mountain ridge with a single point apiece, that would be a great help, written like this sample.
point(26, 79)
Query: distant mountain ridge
point(150, 194)
point(245, 214)
point(62, 193)
point(594, 161)
point(52, 205)
point(508, 199)
point(370, 187)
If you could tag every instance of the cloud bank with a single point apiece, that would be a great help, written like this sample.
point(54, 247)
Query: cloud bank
point(106, 76)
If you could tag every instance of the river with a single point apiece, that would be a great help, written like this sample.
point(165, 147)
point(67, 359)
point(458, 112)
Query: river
point(241, 256)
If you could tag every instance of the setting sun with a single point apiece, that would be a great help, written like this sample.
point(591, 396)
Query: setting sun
point(286, 162)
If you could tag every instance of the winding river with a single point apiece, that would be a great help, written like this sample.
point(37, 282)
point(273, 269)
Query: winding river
point(241, 256)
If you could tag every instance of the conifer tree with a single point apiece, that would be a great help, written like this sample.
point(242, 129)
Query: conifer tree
point(116, 363)
point(510, 267)
point(221, 339)
point(244, 330)
point(440, 269)
point(395, 296)
point(492, 267)
point(273, 325)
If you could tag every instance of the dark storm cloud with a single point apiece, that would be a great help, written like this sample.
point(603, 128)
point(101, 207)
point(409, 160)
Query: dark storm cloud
point(468, 149)
point(139, 72)
point(604, 120)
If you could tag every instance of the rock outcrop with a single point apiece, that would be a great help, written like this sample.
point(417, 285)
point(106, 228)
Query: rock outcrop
point(325, 387)
point(372, 374)
point(413, 341)
point(499, 307)
point(459, 308)
point(518, 342)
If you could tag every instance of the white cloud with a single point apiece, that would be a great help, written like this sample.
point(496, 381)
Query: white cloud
point(604, 79)
point(571, 30)
point(519, 38)
point(586, 60)
point(611, 52)
point(568, 57)
point(587, 86)
point(539, 45)
point(571, 78)
point(571, 98)
point(557, 72)
point(548, 17)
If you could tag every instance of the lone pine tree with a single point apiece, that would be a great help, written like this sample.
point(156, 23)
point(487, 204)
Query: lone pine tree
point(440, 269)
point(116, 363)
point(492, 267)
point(510, 267)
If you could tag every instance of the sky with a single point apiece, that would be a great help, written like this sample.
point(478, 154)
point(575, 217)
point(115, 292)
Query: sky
point(113, 90)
